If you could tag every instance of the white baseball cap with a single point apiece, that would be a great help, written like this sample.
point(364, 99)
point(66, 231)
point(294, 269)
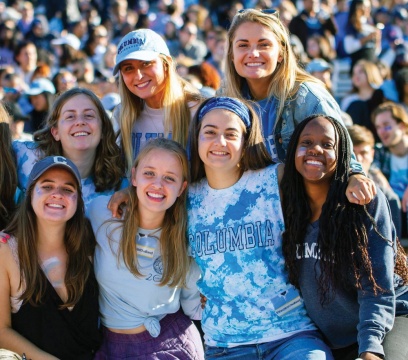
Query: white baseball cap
point(141, 44)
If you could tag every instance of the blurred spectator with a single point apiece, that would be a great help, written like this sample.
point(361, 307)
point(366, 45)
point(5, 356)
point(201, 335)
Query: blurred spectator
point(25, 56)
point(67, 49)
point(197, 14)
point(391, 156)
point(41, 71)
point(218, 53)
point(188, 45)
point(63, 80)
point(366, 96)
point(400, 19)
point(341, 18)
point(318, 47)
point(27, 18)
point(41, 95)
point(363, 147)
point(362, 40)
point(109, 102)
point(80, 30)
point(95, 46)
point(208, 78)
point(39, 33)
point(401, 83)
point(321, 70)
point(211, 37)
point(388, 86)
point(105, 69)
point(8, 41)
point(313, 20)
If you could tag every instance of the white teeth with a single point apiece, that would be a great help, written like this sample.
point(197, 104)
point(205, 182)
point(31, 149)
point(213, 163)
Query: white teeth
point(154, 195)
point(82, 133)
point(254, 64)
point(312, 162)
point(142, 84)
point(57, 206)
point(219, 152)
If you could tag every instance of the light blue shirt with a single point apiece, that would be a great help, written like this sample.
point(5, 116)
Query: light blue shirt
point(235, 235)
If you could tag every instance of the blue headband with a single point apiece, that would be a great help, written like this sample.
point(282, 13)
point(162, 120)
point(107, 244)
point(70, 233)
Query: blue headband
point(230, 104)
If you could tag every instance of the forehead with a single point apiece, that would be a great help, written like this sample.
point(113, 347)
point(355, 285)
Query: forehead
point(385, 116)
point(319, 126)
point(250, 28)
point(78, 101)
point(162, 158)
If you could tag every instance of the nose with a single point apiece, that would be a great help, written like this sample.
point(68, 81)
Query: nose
point(158, 183)
point(359, 158)
point(254, 52)
point(57, 193)
point(221, 140)
point(315, 150)
point(138, 74)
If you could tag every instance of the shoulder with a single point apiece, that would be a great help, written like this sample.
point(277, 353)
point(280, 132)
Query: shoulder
point(97, 210)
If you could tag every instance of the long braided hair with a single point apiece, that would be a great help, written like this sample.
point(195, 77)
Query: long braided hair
point(343, 226)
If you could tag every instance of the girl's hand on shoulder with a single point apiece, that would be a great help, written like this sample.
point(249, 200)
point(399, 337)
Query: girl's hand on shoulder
point(117, 201)
point(360, 190)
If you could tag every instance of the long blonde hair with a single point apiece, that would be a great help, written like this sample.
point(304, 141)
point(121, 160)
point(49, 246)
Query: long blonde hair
point(173, 240)
point(288, 74)
point(177, 94)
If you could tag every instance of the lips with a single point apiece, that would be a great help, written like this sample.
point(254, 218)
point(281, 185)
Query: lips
point(55, 206)
point(254, 64)
point(142, 85)
point(80, 133)
point(155, 195)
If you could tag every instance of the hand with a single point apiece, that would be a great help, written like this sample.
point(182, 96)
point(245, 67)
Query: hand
point(117, 201)
point(369, 356)
point(404, 201)
point(203, 301)
point(360, 190)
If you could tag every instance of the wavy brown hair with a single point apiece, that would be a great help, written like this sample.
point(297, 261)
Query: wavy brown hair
point(78, 240)
point(177, 95)
point(108, 169)
point(173, 240)
point(8, 170)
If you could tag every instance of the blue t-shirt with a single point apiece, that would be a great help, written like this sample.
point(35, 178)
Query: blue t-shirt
point(235, 236)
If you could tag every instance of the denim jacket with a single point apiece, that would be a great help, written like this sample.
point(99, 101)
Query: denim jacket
point(310, 99)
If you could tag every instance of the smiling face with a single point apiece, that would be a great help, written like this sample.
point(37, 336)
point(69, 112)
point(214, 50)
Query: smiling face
point(79, 127)
point(145, 79)
point(54, 196)
point(255, 53)
point(316, 151)
point(221, 142)
point(389, 131)
point(159, 181)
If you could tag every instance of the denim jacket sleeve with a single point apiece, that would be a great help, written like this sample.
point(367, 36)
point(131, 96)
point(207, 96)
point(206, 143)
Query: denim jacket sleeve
point(310, 99)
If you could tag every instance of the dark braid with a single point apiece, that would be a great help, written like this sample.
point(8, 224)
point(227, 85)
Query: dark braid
point(343, 226)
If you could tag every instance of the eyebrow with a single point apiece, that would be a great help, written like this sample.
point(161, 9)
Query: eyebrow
point(53, 181)
point(246, 40)
point(216, 127)
point(148, 167)
point(74, 110)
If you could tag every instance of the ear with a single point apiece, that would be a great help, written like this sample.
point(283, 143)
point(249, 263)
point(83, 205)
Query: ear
point(280, 58)
point(54, 133)
point(183, 187)
point(134, 177)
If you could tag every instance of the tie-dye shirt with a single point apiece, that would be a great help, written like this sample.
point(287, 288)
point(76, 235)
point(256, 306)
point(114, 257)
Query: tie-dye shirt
point(27, 154)
point(235, 236)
